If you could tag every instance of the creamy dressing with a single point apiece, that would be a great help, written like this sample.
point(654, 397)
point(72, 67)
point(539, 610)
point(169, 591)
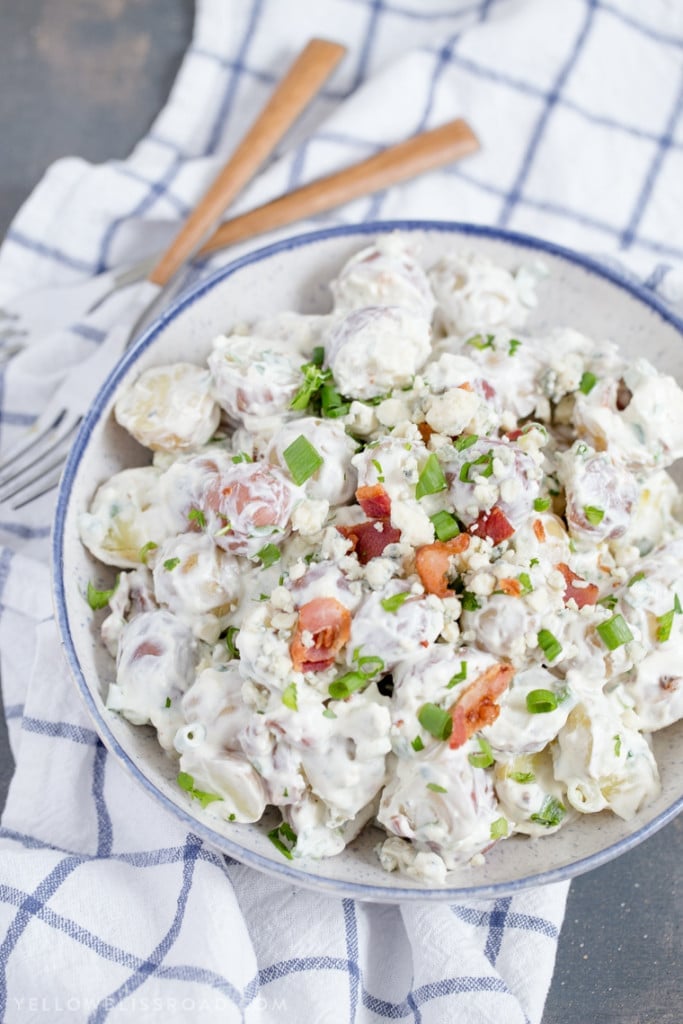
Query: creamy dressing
point(401, 564)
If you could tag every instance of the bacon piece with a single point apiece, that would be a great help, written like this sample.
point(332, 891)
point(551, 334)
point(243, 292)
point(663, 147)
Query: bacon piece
point(489, 392)
point(539, 530)
point(432, 562)
point(329, 623)
point(513, 588)
point(374, 501)
point(492, 524)
point(425, 431)
point(583, 595)
point(478, 705)
point(370, 538)
point(514, 435)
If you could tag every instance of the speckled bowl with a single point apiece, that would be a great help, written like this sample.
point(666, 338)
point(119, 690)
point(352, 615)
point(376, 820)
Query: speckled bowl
point(293, 275)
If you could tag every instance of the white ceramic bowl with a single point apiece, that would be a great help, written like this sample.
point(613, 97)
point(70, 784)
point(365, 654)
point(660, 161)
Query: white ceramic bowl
point(294, 275)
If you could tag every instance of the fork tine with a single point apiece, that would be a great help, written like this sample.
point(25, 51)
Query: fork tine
point(45, 487)
point(55, 440)
point(35, 434)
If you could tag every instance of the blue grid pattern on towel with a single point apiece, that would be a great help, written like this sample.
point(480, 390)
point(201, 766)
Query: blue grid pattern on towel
point(32, 908)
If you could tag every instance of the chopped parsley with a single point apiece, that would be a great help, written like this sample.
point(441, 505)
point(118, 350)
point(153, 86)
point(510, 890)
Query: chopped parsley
point(513, 346)
point(283, 839)
point(551, 814)
point(186, 782)
point(195, 515)
point(268, 555)
point(171, 563)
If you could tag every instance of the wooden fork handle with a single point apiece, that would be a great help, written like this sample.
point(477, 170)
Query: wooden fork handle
point(301, 83)
point(423, 152)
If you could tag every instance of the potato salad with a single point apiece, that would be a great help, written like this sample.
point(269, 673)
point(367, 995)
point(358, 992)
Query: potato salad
point(406, 566)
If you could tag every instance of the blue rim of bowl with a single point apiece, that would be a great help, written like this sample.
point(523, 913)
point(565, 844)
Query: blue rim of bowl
point(309, 879)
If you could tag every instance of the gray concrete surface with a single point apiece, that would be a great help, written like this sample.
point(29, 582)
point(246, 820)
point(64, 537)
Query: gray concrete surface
point(86, 77)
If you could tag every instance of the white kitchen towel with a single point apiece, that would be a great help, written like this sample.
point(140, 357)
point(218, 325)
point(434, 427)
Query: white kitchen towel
point(110, 910)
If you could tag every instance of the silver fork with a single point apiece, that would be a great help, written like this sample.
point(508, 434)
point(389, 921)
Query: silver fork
point(33, 466)
point(44, 310)
point(35, 463)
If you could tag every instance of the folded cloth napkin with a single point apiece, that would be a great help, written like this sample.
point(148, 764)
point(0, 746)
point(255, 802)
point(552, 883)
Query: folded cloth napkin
point(110, 909)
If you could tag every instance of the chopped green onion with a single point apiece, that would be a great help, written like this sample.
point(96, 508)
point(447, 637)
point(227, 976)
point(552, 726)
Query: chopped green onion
point(664, 624)
point(393, 603)
point(99, 598)
point(445, 525)
point(615, 632)
point(499, 828)
point(302, 459)
point(283, 839)
point(588, 382)
point(636, 578)
point(268, 555)
point(466, 441)
point(314, 379)
point(533, 562)
point(318, 356)
point(436, 788)
point(347, 684)
point(417, 744)
point(289, 697)
point(541, 504)
point(223, 530)
point(186, 782)
point(369, 665)
point(484, 759)
point(231, 634)
point(380, 473)
point(436, 721)
point(522, 777)
point(168, 702)
point(469, 601)
point(525, 582)
point(677, 605)
point(242, 457)
point(550, 645)
point(617, 745)
point(431, 480)
point(459, 677)
point(477, 341)
point(539, 702)
point(171, 563)
point(609, 601)
point(332, 404)
point(195, 515)
point(484, 460)
point(551, 813)
point(593, 514)
point(145, 550)
point(329, 713)
point(513, 346)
